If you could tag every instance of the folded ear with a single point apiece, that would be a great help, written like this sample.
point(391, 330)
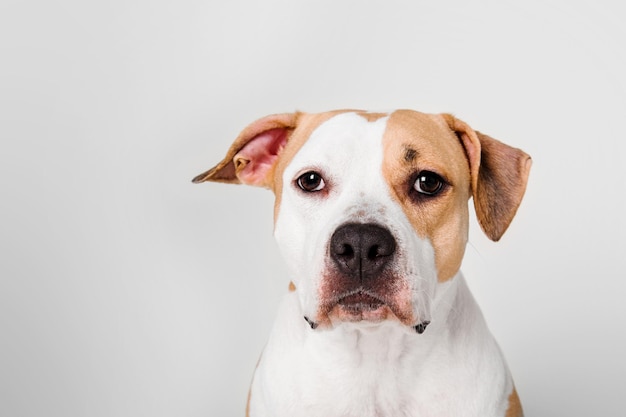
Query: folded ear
point(499, 174)
point(252, 156)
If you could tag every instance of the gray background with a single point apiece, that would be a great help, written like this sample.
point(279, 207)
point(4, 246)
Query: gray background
point(127, 291)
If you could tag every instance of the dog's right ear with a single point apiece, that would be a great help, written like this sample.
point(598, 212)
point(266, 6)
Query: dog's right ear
point(253, 155)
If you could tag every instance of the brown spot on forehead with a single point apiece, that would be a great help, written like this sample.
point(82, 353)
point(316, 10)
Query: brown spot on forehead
point(409, 153)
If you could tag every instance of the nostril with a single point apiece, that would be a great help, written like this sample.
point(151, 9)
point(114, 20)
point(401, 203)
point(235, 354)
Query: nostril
point(347, 251)
point(343, 250)
point(386, 248)
point(373, 252)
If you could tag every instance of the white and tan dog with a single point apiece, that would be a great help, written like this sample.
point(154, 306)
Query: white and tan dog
point(371, 215)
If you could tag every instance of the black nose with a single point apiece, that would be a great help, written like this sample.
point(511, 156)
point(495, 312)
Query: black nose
point(362, 250)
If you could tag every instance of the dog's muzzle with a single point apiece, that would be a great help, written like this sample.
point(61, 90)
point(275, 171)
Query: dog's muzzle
point(362, 282)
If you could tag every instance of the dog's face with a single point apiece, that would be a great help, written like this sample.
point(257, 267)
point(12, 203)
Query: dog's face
point(371, 210)
point(372, 214)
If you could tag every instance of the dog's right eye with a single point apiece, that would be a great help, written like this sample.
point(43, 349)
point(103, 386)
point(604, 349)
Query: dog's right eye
point(311, 182)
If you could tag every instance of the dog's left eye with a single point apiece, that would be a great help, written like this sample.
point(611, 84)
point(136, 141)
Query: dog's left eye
point(311, 182)
point(428, 183)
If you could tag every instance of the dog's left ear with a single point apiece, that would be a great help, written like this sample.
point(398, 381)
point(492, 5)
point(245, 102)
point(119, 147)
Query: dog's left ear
point(499, 174)
point(254, 153)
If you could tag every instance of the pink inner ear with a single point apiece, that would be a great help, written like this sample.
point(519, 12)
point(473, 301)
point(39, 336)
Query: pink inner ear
point(261, 153)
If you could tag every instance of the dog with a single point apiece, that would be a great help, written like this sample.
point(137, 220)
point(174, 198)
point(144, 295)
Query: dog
point(371, 215)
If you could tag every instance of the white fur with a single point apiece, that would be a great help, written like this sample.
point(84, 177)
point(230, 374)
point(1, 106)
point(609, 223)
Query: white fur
point(354, 369)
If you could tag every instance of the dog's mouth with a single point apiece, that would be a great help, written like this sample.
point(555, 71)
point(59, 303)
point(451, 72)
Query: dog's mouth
point(364, 305)
point(359, 302)
point(359, 305)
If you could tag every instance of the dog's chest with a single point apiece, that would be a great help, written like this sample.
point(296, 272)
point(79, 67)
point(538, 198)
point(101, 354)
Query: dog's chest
point(356, 375)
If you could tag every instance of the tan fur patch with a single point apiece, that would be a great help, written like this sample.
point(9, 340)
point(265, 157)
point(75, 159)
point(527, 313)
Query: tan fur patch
point(248, 402)
point(515, 407)
point(292, 286)
point(250, 389)
point(415, 142)
point(372, 117)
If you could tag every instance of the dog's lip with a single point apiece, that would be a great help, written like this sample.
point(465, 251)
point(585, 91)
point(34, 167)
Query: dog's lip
point(363, 304)
point(360, 300)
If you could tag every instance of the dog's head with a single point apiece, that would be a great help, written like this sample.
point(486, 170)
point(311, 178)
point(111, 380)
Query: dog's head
point(371, 209)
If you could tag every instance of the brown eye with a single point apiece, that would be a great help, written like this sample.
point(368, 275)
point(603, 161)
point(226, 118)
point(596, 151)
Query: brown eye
point(311, 182)
point(428, 183)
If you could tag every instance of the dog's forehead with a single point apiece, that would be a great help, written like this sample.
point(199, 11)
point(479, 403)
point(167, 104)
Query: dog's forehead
point(344, 138)
point(351, 135)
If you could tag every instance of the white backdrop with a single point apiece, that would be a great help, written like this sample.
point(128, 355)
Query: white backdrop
point(127, 291)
